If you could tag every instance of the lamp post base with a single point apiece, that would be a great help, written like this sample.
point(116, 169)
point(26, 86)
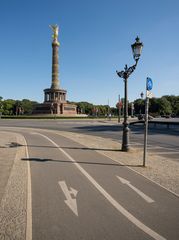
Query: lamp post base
point(125, 138)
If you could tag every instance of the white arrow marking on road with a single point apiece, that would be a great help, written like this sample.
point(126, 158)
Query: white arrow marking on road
point(144, 196)
point(116, 204)
point(70, 202)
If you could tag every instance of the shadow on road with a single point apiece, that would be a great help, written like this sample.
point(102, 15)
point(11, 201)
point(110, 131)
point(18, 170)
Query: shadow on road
point(102, 128)
point(80, 148)
point(138, 129)
point(80, 162)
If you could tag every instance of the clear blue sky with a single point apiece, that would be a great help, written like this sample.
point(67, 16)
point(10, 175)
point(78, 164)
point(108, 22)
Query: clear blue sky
point(95, 38)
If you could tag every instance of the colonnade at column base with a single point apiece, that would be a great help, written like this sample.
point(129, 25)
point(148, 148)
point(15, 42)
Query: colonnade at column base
point(57, 108)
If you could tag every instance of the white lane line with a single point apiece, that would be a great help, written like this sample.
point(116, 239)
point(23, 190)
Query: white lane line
point(143, 195)
point(153, 148)
point(137, 144)
point(163, 148)
point(158, 147)
point(29, 198)
point(121, 209)
point(167, 153)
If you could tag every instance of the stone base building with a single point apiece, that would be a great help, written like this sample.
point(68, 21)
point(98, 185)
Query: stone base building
point(55, 103)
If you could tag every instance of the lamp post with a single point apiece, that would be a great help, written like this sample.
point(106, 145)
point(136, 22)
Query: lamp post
point(132, 109)
point(136, 49)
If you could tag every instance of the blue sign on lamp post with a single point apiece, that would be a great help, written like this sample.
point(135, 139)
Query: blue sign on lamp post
point(149, 84)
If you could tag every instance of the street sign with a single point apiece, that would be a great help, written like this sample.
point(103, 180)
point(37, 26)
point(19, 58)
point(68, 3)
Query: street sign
point(149, 94)
point(149, 84)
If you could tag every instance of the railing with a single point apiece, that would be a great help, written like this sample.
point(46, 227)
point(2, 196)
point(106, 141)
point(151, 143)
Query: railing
point(155, 123)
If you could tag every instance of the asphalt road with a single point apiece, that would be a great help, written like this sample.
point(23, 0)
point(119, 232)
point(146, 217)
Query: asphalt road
point(161, 140)
point(79, 194)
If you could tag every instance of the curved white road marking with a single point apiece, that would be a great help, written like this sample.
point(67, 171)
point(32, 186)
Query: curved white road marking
point(121, 209)
point(29, 199)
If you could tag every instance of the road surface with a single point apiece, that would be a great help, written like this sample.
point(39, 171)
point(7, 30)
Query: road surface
point(161, 140)
point(76, 193)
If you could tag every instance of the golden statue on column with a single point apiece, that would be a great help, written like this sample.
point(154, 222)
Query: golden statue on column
point(55, 30)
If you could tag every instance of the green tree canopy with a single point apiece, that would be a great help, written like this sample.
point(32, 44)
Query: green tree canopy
point(165, 106)
point(139, 106)
point(168, 104)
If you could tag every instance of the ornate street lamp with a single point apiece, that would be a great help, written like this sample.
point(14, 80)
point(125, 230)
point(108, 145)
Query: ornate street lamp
point(136, 49)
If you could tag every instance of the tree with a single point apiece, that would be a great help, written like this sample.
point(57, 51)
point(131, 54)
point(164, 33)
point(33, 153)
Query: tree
point(102, 109)
point(165, 106)
point(27, 106)
point(8, 106)
point(1, 105)
point(154, 106)
point(85, 107)
point(139, 106)
point(114, 111)
point(174, 101)
point(18, 110)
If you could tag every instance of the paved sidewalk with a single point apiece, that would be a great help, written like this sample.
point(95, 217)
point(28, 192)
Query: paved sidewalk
point(13, 187)
point(7, 155)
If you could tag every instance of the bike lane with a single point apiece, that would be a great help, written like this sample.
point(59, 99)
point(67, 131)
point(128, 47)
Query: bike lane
point(57, 182)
